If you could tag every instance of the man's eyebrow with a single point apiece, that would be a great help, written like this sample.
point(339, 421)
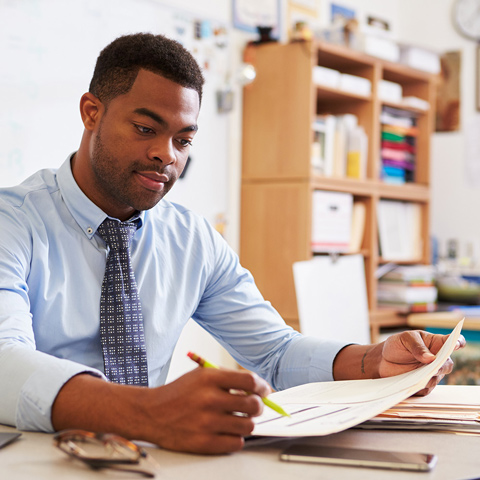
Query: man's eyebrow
point(157, 118)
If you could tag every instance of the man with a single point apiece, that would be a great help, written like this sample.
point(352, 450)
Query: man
point(56, 293)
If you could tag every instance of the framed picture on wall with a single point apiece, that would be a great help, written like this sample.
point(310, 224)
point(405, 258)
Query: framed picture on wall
point(309, 5)
point(448, 92)
point(250, 14)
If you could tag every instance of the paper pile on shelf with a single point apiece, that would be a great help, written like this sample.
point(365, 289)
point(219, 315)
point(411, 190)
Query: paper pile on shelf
point(408, 289)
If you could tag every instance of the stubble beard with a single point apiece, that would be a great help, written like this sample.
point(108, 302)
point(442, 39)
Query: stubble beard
point(117, 183)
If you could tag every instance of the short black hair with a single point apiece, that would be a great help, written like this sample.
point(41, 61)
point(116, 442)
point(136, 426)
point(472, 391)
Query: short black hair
point(119, 62)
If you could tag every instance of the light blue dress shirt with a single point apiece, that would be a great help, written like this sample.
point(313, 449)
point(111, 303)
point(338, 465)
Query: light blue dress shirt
point(52, 264)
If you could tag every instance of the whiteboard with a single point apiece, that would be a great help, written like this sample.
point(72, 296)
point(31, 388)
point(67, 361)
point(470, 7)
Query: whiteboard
point(48, 53)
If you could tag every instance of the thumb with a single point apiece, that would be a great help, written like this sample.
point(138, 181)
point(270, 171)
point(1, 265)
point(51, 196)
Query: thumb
point(422, 353)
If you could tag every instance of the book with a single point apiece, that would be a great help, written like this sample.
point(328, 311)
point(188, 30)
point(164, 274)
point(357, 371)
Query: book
point(398, 145)
point(413, 274)
point(323, 144)
point(339, 146)
point(359, 213)
point(389, 292)
point(410, 289)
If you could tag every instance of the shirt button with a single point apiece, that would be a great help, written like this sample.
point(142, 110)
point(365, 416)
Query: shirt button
point(89, 230)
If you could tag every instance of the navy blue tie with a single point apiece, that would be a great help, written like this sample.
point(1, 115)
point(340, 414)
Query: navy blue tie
point(121, 321)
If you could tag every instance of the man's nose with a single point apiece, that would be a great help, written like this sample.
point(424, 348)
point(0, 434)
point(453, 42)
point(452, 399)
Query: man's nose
point(162, 150)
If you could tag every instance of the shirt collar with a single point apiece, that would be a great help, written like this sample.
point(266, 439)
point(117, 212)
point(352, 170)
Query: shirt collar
point(84, 211)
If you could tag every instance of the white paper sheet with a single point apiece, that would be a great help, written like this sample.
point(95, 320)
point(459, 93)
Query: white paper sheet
point(328, 407)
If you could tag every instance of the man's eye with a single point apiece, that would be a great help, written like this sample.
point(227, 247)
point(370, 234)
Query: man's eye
point(185, 143)
point(143, 129)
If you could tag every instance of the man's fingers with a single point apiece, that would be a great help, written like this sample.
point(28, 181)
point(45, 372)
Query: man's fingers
point(236, 402)
point(461, 342)
point(238, 380)
point(446, 368)
point(432, 383)
point(416, 345)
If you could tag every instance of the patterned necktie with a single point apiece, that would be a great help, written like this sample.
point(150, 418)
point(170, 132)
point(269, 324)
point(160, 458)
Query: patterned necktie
point(121, 321)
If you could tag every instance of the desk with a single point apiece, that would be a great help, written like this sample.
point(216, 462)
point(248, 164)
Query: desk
point(33, 457)
point(446, 320)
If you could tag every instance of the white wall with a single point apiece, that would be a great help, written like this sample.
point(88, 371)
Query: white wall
point(454, 199)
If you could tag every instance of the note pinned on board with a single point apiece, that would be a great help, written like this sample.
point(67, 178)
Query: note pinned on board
point(332, 298)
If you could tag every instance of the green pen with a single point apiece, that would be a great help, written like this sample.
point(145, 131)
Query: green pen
point(206, 364)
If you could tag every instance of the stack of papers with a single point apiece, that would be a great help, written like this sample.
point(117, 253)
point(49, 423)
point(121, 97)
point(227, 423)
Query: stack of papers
point(329, 407)
point(450, 408)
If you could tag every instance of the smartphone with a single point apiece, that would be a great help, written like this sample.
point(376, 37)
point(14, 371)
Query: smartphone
point(359, 458)
point(8, 437)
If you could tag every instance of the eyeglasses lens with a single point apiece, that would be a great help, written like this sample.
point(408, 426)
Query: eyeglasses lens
point(91, 448)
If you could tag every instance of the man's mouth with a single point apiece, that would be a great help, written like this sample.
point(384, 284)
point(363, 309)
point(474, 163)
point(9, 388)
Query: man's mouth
point(152, 180)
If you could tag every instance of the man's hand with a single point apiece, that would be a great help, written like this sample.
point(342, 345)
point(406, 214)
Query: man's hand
point(400, 353)
point(205, 411)
point(409, 350)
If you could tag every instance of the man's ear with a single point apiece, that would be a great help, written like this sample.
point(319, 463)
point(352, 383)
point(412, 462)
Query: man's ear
point(91, 109)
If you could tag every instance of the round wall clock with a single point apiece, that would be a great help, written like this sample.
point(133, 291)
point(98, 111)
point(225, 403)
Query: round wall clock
point(466, 17)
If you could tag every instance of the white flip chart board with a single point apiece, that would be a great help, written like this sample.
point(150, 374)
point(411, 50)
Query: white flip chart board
point(332, 298)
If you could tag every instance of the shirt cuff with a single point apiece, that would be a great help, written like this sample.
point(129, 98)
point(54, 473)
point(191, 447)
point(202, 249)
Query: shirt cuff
point(34, 408)
point(307, 360)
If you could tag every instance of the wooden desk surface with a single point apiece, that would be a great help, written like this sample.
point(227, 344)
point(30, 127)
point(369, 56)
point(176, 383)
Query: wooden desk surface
point(33, 457)
point(442, 320)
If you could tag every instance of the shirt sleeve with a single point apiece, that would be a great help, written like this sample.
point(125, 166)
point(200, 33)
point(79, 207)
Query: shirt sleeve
point(233, 310)
point(29, 379)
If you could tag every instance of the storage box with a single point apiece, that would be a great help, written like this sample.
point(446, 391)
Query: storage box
point(326, 77)
point(420, 58)
point(354, 84)
point(381, 48)
point(390, 91)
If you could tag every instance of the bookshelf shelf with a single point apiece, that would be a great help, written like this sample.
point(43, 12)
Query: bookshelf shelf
point(335, 95)
point(402, 106)
point(278, 179)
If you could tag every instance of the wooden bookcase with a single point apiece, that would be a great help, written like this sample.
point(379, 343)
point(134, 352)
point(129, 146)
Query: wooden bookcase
point(277, 177)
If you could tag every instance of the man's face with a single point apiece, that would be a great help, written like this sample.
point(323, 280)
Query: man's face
point(140, 145)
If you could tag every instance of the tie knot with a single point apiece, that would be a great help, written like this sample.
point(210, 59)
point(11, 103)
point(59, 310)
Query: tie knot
point(117, 235)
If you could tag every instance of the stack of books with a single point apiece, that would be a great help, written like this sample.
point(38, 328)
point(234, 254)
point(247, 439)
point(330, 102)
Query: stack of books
point(408, 289)
point(398, 148)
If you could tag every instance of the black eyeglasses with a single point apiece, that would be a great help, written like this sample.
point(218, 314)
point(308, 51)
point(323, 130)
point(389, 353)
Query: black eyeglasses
point(103, 450)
